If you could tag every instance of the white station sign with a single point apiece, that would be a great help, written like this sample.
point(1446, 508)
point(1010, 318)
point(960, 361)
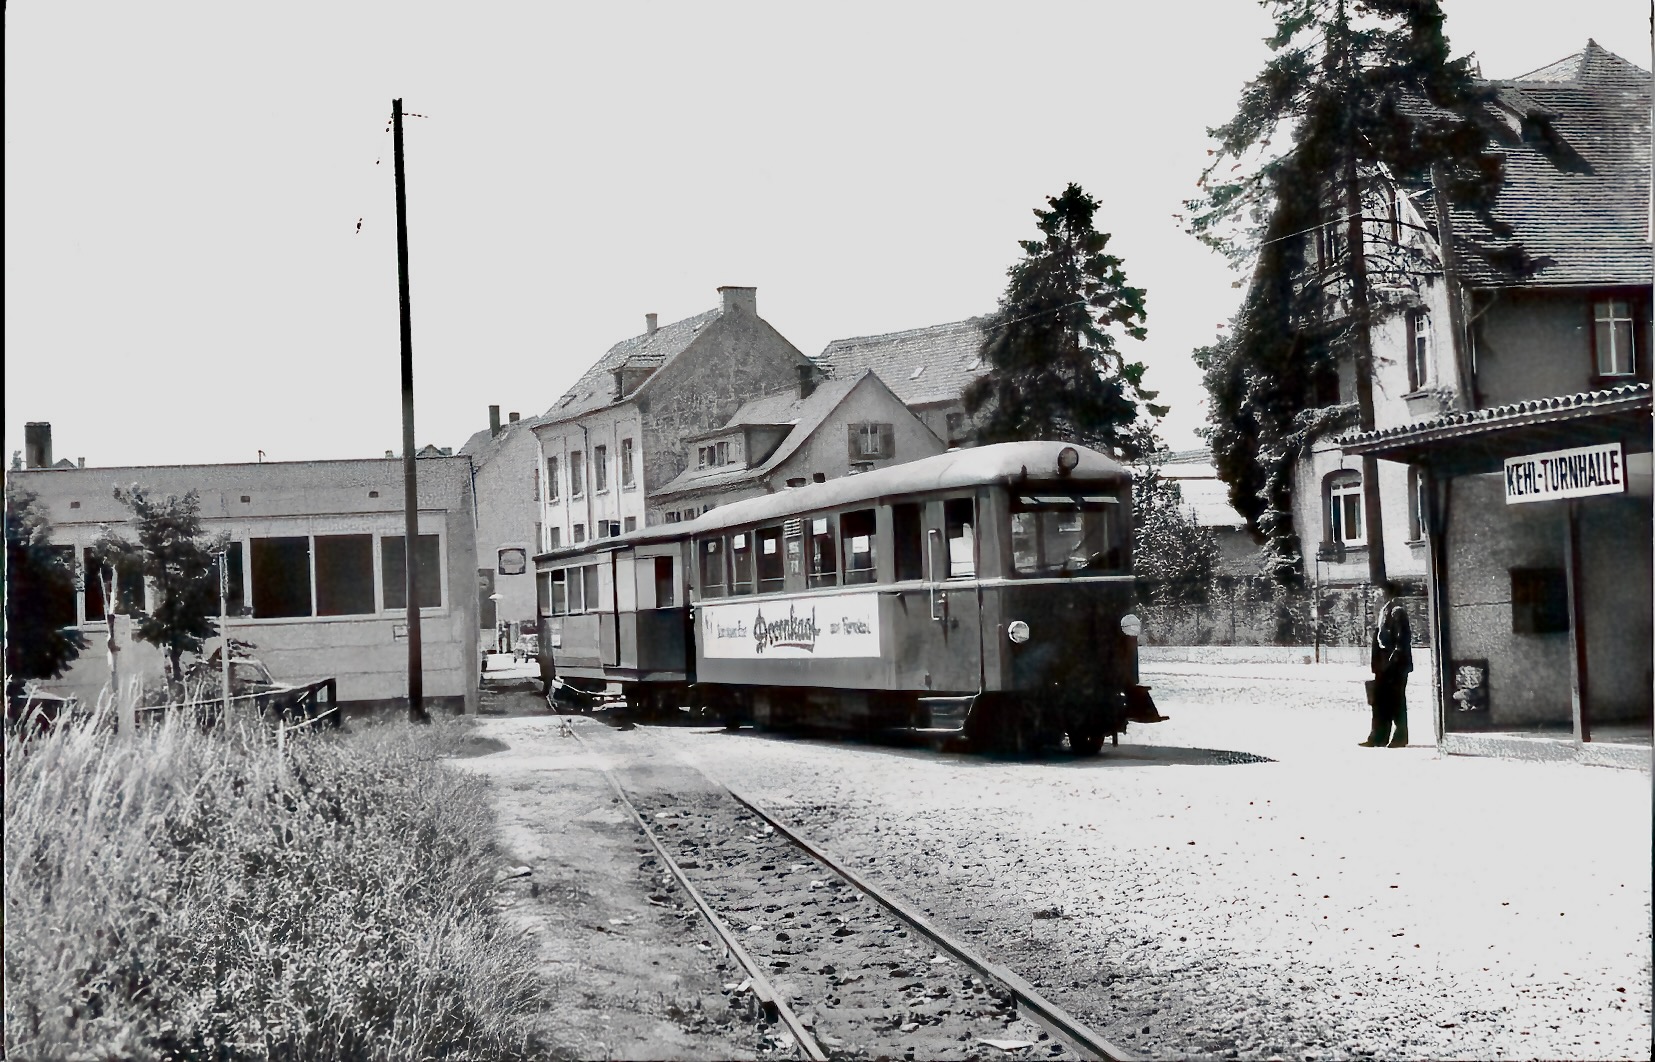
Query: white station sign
point(838, 625)
point(1575, 473)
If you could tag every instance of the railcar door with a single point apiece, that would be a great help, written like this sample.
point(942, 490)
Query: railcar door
point(938, 643)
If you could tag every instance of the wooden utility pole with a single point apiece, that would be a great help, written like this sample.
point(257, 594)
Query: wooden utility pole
point(410, 478)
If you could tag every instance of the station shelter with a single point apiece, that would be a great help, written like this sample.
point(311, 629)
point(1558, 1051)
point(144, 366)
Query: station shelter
point(1538, 519)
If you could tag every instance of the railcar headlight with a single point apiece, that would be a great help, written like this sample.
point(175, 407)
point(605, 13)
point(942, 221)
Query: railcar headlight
point(1067, 459)
point(1131, 625)
point(1017, 631)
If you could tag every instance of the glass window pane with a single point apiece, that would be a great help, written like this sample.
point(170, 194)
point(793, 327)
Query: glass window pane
point(741, 563)
point(712, 567)
point(281, 577)
point(770, 564)
point(589, 576)
point(394, 572)
point(344, 575)
point(857, 540)
point(962, 538)
point(824, 557)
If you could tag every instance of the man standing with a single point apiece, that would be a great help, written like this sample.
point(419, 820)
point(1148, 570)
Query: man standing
point(1392, 660)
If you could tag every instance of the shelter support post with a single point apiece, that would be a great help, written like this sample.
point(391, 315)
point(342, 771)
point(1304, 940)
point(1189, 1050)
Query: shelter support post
point(1438, 492)
point(1578, 684)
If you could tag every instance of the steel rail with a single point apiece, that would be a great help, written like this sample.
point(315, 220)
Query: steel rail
point(1056, 1018)
point(762, 988)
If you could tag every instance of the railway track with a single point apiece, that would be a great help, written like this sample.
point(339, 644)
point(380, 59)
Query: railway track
point(838, 966)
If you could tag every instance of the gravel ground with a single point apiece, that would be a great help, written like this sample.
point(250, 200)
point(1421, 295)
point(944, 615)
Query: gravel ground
point(1244, 881)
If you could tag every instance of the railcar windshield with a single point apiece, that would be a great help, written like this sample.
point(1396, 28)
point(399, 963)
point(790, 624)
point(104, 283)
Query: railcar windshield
point(1067, 534)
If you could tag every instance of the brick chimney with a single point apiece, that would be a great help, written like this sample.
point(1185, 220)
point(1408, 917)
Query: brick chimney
point(513, 417)
point(740, 300)
point(649, 324)
point(807, 381)
point(37, 444)
point(494, 420)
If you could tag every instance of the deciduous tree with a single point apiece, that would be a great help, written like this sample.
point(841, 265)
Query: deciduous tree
point(41, 639)
point(178, 563)
point(1372, 106)
point(1053, 368)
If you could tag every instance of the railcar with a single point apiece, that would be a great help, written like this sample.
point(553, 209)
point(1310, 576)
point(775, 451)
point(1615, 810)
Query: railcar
point(984, 592)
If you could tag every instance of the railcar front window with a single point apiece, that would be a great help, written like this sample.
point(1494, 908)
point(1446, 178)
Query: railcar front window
point(1065, 534)
point(712, 567)
point(962, 539)
point(856, 532)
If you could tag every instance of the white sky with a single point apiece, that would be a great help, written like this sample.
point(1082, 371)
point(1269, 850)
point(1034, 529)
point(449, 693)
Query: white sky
point(185, 281)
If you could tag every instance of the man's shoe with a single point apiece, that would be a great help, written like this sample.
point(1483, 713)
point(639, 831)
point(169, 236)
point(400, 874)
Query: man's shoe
point(1367, 745)
point(1397, 745)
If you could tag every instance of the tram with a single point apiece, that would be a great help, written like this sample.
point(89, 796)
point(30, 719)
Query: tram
point(985, 592)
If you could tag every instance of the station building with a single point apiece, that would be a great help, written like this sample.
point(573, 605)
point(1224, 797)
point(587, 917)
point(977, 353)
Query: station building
point(1534, 488)
point(316, 570)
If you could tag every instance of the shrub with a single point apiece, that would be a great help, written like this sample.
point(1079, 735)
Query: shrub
point(190, 893)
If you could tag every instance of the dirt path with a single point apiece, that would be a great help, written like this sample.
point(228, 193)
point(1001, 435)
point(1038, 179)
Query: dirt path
point(627, 978)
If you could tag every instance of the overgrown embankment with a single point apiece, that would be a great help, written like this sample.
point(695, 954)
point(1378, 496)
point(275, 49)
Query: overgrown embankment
point(190, 893)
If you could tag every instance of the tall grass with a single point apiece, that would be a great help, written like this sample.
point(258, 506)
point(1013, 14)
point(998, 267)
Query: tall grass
point(200, 893)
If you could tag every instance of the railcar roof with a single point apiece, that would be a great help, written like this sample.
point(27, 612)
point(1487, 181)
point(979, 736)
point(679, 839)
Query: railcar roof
point(971, 467)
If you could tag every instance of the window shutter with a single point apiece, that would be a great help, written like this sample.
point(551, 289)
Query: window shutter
point(855, 447)
point(887, 440)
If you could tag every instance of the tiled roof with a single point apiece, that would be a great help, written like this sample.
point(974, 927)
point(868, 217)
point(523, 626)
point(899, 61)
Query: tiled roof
point(596, 388)
point(1581, 210)
point(1477, 421)
point(922, 365)
point(806, 416)
point(484, 446)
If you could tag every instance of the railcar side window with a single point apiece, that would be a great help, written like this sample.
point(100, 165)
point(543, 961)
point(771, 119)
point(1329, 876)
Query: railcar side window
point(741, 563)
point(962, 538)
point(589, 576)
point(769, 559)
point(1058, 534)
point(560, 592)
point(663, 582)
point(908, 537)
point(712, 567)
point(824, 558)
point(856, 533)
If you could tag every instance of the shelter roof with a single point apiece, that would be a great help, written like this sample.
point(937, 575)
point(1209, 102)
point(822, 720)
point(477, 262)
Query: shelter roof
point(921, 366)
point(1472, 440)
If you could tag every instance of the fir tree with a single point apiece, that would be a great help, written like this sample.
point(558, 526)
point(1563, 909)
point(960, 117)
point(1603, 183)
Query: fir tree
point(1375, 108)
point(178, 562)
point(1053, 369)
point(41, 639)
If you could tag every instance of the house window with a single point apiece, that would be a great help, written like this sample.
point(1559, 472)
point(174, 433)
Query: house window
point(1344, 508)
point(700, 457)
point(1612, 332)
point(281, 576)
point(577, 473)
point(1539, 601)
point(723, 454)
point(824, 562)
point(770, 564)
point(629, 524)
point(59, 604)
point(551, 479)
point(956, 427)
point(672, 516)
point(393, 567)
point(870, 441)
point(1419, 348)
point(600, 468)
point(128, 580)
point(580, 533)
point(857, 541)
point(556, 539)
point(344, 575)
point(534, 484)
point(1416, 505)
point(626, 464)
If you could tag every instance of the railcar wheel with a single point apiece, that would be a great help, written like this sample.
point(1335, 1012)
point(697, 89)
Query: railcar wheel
point(1086, 742)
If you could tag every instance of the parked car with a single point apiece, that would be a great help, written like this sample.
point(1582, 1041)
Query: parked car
point(527, 647)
